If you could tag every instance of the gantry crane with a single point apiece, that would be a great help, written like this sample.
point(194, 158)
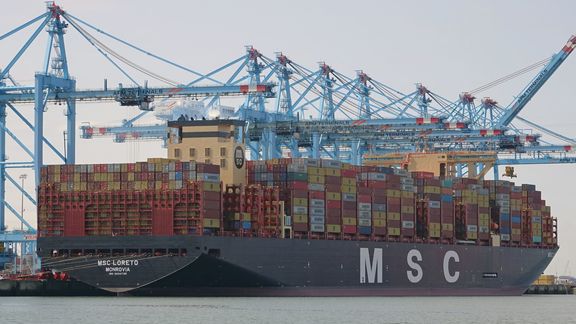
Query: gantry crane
point(55, 85)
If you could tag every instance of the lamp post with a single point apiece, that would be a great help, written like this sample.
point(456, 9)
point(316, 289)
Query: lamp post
point(22, 177)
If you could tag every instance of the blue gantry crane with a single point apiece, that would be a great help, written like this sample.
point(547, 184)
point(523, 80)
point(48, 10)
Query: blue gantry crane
point(327, 95)
point(55, 85)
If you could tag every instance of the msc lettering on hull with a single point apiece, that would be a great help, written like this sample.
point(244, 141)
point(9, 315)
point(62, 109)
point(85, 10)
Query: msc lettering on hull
point(371, 267)
point(117, 267)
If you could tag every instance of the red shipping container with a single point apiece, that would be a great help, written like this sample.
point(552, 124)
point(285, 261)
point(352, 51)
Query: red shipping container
point(376, 184)
point(333, 188)
point(363, 198)
point(74, 222)
point(212, 214)
point(349, 213)
point(422, 175)
point(317, 195)
point(379, 230)
point(211, 195)
point(348, 173)
point(300, 193)
point(300, 227)
point(379, 199)
point(298, 185)
point(393, 201)
point(393, 208)
point(333, 219)
point(334, 212)
point(364, 191)
point(393, 223)
point(211, 205)
point(349, 205)
point(349, 229)
point(407, 232)
point(333, 204)
point(162, 221)
point(333, 180)
point(407, 217)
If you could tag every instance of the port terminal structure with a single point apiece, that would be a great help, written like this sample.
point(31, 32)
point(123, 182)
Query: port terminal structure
point(290, 109)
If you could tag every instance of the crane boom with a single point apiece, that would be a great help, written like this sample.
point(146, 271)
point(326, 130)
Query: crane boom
point(543, 76)
point(140, 96)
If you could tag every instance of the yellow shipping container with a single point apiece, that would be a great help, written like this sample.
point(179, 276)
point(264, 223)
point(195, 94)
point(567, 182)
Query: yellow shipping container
point(434, 233)
point(431, 189)
point(332, 172)
point(316, 179)
point(471, 235)
point(407, 194)
point(349, 181)
point(378, 215)
point(130, 176)
point(392, 193)
point(348, 221)
point(408, 209)
point(393, 231)
point(211, 186)
point(379, 222)
point(348, 189)
point(434, 227)
point(331, 228)
point(211, 223)
point(447, 227)
point(299, 218)
point(300, 202)
point(314, 171)
point(333, 196)
point(393, 216)
point(516, 231)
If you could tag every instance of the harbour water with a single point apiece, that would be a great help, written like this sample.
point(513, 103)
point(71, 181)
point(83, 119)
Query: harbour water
point(482, 310)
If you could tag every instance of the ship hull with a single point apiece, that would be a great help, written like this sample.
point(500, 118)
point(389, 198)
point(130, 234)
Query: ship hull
point(233, 266)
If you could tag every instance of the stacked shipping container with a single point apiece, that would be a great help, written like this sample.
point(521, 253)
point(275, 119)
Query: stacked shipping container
point(322, 199)
point(158, 197)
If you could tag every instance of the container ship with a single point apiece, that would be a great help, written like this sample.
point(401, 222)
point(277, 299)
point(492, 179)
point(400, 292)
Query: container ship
point(206, 222)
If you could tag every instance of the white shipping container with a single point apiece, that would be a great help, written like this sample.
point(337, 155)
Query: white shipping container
point(433, 204)
point(317, 203)
point(365, 214)
point(299, 210)
point(317, 220)
point(317, 228)
point(348, 196)
point(407, 224)
point(316, 187)
point(317, 211)
point(365, 206)
point(364, 222)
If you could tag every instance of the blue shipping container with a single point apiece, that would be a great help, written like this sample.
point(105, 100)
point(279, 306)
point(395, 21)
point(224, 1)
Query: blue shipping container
point(365, 230)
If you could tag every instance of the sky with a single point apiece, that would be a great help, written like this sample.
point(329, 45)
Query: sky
point(449, 46)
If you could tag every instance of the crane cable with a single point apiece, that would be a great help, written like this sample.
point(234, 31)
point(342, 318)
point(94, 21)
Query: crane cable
point(509, 76)
point(119, 57)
